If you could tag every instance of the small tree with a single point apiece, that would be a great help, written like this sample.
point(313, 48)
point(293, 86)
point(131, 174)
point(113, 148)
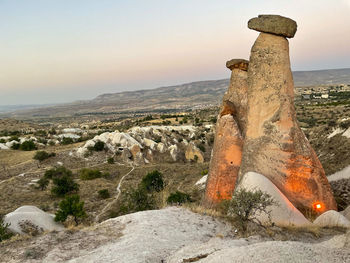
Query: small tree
point(43, 183)
point(153, 181)
point(245, 206)
point(70, 206)
point(64, 185)
point(4, 231)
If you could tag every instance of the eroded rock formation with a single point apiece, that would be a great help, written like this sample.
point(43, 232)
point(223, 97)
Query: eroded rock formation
point(259, 110)
point(227, 150)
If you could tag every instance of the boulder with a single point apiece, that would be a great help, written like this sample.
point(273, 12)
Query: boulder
point(192, 151)
point(161, 147)
point(126, 155)
point(274, 24)
point(283, 213)
point(332, 218)
point(173, 149)
point(31, 216)
point(149, 143)
point(137, 155)
point(3, 147)
point(274, 144)
point(201, 182)
point(241, 64)
point(346, 213)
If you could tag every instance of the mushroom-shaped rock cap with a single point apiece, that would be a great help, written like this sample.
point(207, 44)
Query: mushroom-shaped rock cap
point(237, 63)
point(274, 24)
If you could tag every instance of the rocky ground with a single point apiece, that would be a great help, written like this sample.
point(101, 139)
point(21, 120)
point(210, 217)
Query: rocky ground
point(176, 235)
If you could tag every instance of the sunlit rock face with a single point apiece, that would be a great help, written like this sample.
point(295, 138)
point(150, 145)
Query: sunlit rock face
point(274, 144)
point(257, 129)
point(227, 150)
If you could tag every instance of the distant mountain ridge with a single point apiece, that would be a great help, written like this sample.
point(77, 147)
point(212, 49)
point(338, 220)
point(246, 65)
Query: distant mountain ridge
point(178, 97)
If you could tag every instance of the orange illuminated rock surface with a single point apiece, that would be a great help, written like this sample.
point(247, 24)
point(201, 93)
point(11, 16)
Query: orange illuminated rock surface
point(226, 160)
point(227, 150)
point(274, 145)
point(257, 130)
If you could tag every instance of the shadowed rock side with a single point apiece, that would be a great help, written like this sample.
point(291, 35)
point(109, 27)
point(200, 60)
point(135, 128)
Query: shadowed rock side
point(274, 144)
point(227, 150)
point(237, 91)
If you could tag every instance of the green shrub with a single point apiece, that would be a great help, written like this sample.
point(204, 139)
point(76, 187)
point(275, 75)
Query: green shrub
point(2, 141)
point(43, 155)
point(27, 146)
point(4, 231)
point(15, 146)
point(178, 198)
point(204, 172)
point(110, 160)
point(99, 146)
point(89, 174)
point(43, 183)
point(137, 200)
point(64, 185)
point(153, 181)
point(14, 138)
point(67, 140)
point(58, 172)
point(70, 206)
point(245, 205)
point(201, 147)
point(104, 194)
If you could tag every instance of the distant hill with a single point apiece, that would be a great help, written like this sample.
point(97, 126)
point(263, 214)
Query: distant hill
point(180, 97)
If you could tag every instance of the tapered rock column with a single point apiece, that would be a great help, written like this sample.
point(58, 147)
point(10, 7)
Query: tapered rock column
point(227, 150)
point(275, 146)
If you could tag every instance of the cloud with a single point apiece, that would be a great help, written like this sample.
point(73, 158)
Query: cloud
point(347, 2)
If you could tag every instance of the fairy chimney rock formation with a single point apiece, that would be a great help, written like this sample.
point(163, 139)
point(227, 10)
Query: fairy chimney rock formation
point(227, 150)
point(274, 144)
point(274, 24)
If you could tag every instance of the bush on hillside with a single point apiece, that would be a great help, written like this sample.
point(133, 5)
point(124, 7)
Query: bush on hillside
point(110, 160)
point(136, 200)
point(58, 172)
point(245, 205)
point(89, 174)
point(27, 146)
point(178, 198)
point(43, 183)
point(99, 146)
point(43, 155)
point(64, 185)
point(66, 141)
point(71, 206)
point(153, 181)
point(4, 231)
point(15, 146)
point(104, 194)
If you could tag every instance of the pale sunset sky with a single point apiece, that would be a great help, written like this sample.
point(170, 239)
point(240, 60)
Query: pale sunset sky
point(54, 51)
